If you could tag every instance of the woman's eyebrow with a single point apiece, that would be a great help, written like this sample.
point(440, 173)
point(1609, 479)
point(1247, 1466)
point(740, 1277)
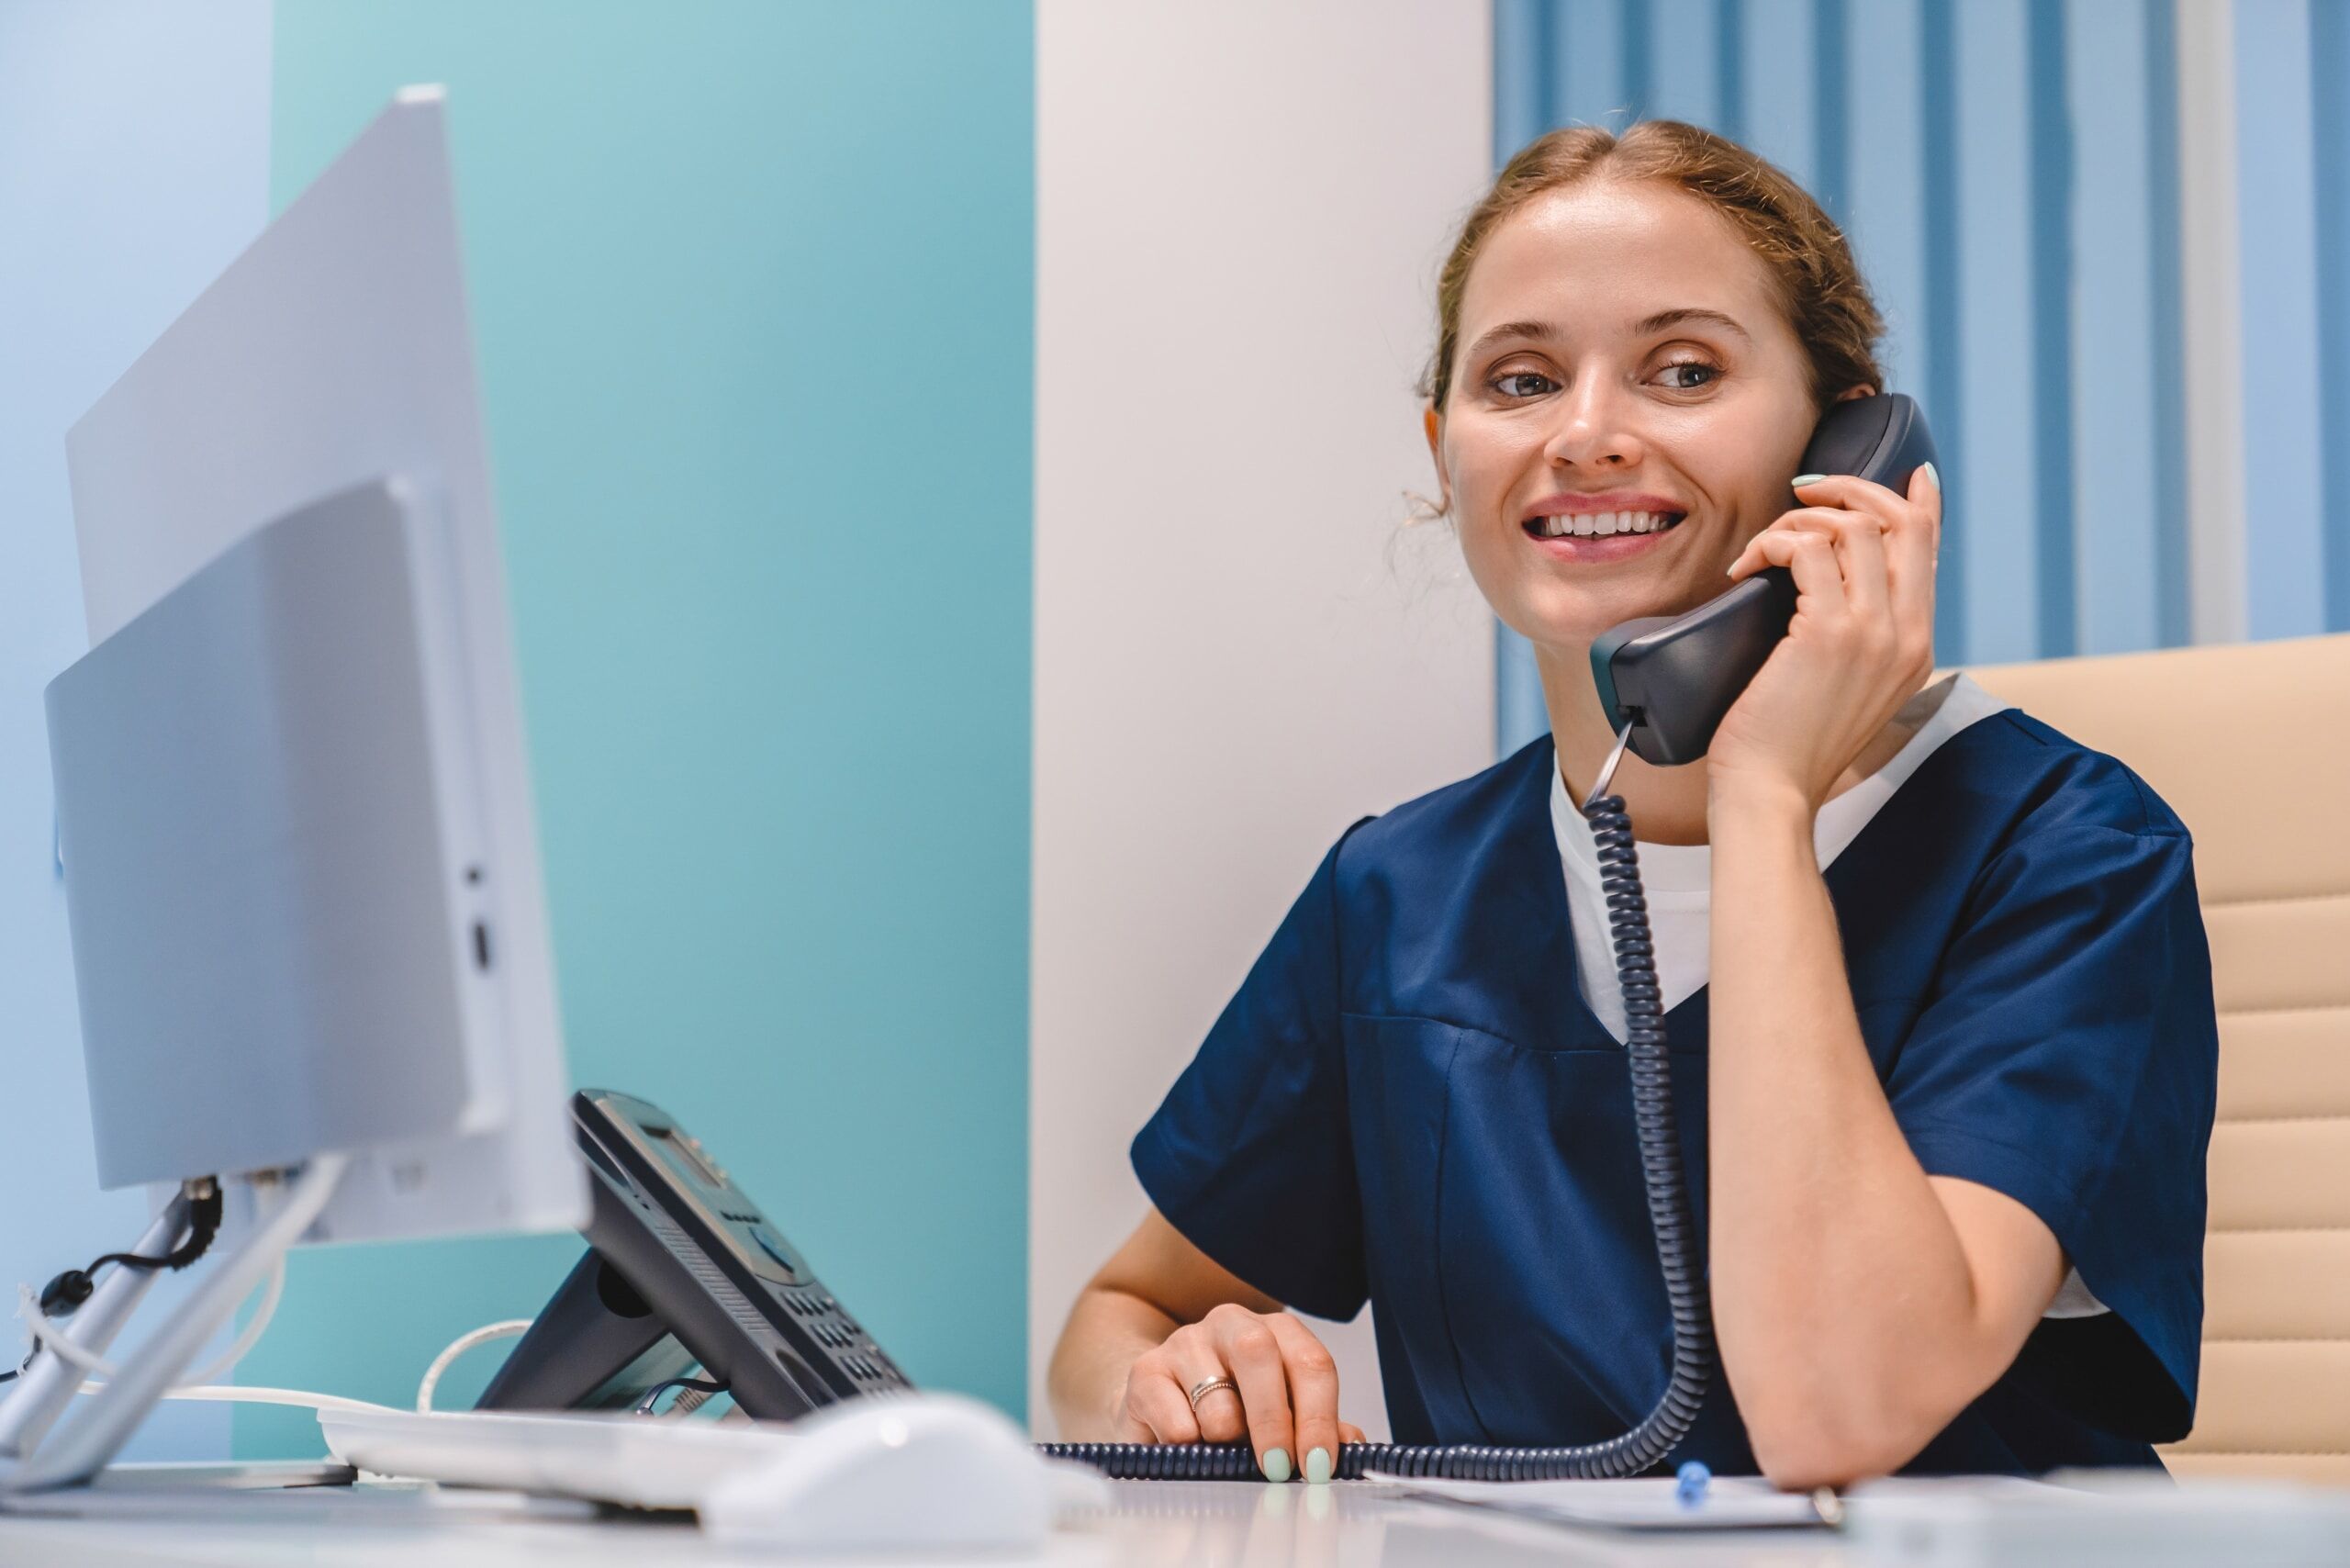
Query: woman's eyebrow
point(1683, 316)
point(1539, 332)
point(1543, 332)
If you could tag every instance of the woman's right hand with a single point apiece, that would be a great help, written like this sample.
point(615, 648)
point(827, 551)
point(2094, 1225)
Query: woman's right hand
point(1284, 1397)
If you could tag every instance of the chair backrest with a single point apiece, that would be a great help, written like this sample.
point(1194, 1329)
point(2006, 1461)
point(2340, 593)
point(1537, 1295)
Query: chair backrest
point(2251, 745)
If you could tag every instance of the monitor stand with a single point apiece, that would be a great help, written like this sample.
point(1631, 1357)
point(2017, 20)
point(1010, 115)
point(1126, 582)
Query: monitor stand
point(94, 1433)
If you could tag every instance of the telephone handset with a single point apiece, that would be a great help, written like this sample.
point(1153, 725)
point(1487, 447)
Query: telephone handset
point(1672, 678)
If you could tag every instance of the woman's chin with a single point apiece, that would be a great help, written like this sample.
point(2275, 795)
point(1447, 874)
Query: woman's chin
point(1565, 631)
point(1551, 616)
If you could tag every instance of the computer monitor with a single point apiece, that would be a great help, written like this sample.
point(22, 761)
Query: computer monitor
point(301, 866)
point(335, 352)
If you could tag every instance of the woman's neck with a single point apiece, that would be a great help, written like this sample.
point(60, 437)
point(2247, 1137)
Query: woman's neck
point(1667, 805)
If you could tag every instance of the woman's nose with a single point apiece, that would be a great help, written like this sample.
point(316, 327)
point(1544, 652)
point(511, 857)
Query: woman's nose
point(1594, 430)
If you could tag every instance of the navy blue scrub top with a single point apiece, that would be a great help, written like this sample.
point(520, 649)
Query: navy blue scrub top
point(1408, 1101)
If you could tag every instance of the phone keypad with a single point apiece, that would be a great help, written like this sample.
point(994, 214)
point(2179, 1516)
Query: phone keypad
point(833, 1328)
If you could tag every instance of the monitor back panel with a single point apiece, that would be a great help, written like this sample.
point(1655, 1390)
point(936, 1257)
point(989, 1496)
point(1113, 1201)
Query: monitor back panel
point(256, 865)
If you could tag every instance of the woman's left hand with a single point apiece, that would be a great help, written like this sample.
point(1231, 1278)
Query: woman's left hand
point(1861, 644)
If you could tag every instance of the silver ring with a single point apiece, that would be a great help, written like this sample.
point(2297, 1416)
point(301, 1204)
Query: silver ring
point(1202, 1390)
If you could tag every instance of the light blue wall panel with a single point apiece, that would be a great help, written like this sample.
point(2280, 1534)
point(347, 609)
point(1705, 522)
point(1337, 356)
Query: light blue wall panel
point(134, 163)
point(1776, 69)
point(2277, 193)
point(1730, 68)
point(2116, 479)
point(1832, 67)
point(1587, 39)
point(1941, 383)
point(1896, 213)
point(2166, 330)
point(1522, 71)
point(1685, 81)
point(2329, 114)
point(1885, 131)
point(2050, 196)
point(1992, 515)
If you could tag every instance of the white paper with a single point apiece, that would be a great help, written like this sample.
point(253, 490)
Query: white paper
point(1736, 1503)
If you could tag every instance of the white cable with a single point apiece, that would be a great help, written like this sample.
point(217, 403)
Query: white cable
point(270, 1296)
point(40, 1331)
point(245, 1393)
point(510, 1329)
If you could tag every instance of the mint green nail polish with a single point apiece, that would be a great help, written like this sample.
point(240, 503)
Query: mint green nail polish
point(1317, 1467)
point(1934, 476)
point(1276, 1466)
point(1800, 480)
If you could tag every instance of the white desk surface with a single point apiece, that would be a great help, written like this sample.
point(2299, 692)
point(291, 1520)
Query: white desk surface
point(1158, 1523)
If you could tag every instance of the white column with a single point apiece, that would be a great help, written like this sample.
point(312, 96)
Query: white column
point(2210, 297)
point(1241, 648)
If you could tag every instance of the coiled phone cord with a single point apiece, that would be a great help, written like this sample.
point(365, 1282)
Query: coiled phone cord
point(1669, 1213)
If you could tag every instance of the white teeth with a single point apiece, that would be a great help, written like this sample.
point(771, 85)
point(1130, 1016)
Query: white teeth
point(1601, 526)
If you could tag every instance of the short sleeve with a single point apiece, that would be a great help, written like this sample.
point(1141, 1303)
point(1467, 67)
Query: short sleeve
point(2068, 1058)
point(1249, 1155)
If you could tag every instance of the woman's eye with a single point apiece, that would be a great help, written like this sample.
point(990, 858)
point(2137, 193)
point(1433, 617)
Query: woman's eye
point(1703, 371)
point(1524, 384)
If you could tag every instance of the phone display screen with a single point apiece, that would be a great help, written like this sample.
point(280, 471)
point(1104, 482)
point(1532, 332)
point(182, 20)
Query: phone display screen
point(681, 1153)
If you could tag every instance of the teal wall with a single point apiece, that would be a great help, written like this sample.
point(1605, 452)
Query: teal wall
point(752, 285)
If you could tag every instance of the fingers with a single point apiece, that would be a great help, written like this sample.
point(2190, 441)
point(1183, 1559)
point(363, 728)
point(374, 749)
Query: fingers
point(1824, 520)
point(1912, 552)
point(1859, 540)
point(1883, 547)
point(1283, 1398)
point(1911, 522)
point(1218, 1414)
point(1313, 1395)
point(1247, 1343)
point(1811, 556)
point(1155, 1409)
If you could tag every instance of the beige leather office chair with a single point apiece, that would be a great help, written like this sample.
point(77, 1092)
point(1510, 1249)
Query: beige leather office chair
point(2251, 745)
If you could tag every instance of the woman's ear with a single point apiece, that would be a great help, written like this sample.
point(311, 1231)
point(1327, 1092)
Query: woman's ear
point(1859, 389)
point(1434, 424)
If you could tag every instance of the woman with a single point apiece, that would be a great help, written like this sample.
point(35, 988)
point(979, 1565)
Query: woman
point(1940, 1000)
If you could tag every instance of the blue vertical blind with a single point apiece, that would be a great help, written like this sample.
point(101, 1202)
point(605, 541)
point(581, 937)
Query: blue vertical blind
point(2009, 175)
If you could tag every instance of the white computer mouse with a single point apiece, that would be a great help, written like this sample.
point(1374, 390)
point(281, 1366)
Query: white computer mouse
point(909, 1472)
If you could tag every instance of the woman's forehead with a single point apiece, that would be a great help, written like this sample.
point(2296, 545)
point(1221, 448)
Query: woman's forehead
point(1608, 255)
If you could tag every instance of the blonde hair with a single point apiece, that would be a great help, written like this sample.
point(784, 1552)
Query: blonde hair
point(1818, 286)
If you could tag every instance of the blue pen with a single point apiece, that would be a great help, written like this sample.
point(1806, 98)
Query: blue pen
point(1691, 1488)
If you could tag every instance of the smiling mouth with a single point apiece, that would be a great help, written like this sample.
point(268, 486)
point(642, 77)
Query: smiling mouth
point(1601, 524)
